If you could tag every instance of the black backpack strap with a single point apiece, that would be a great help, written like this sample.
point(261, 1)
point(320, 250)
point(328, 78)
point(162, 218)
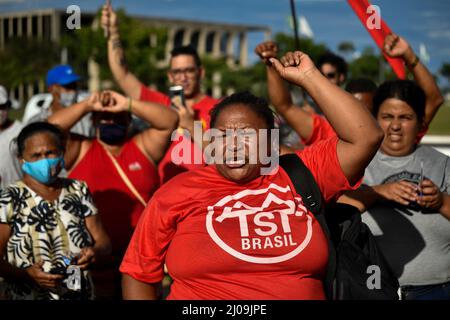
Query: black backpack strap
point(306, 186)
point(303, 181)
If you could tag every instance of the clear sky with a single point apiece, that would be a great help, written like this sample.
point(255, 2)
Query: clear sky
point(332, 21)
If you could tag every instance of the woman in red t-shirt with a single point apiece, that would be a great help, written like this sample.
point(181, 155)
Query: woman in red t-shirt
point(237, 229)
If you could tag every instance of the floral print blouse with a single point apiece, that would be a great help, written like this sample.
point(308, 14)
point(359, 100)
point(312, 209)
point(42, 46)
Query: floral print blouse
point(47, 231)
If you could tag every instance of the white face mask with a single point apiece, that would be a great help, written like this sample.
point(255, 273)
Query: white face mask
point(67, 98)
point(3, 116)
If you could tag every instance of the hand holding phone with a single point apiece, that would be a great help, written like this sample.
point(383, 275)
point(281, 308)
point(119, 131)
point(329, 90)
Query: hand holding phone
point(177, 97)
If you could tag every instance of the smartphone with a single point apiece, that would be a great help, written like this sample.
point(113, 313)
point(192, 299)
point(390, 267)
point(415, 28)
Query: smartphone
point(177, 94)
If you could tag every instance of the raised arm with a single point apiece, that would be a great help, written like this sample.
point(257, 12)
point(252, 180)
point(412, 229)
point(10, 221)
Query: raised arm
point(280, 97)
point(66, 118)
point(163, 121)
point(358, 132)
point(397, 47)
point(116, 56)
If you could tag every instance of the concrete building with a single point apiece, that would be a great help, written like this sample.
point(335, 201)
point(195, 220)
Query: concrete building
point(216, 39)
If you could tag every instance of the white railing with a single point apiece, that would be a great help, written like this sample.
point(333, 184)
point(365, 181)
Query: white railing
point(440, 143)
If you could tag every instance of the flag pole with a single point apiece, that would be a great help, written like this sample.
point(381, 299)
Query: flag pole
point(294, 22)
point(297, 41)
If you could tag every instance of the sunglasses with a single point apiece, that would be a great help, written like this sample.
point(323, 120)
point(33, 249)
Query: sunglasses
point(330, 75)
point(187, 71)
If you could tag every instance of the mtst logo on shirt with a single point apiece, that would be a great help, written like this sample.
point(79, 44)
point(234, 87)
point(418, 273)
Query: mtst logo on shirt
point(261, 226)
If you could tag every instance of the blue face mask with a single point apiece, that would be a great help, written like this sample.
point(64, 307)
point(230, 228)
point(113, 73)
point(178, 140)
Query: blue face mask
point(45, 171)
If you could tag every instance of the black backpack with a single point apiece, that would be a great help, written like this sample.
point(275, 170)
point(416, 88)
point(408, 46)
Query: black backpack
point(352, 248)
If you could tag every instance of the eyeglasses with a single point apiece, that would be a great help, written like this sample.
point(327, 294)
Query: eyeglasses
point(190, 71)
point(330, 75)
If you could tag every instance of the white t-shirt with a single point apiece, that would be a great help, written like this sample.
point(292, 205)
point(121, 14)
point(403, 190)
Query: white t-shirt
point(9, 165)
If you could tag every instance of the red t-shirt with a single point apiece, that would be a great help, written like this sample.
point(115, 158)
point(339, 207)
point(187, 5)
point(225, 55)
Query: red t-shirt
point(167, 168)
point(223, 240)
point(322, 130)
point(118, 207)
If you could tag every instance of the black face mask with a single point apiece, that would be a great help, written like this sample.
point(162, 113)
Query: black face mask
point(112, 133)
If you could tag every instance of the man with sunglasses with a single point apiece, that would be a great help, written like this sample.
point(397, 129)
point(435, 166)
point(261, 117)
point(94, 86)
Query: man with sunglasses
point(333, 67)
point(185, 70)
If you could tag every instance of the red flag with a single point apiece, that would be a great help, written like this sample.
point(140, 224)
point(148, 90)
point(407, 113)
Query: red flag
point(378, 35)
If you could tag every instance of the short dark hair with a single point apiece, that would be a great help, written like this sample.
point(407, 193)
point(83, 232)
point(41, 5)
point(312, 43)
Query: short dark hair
point(40, 127)
point(333, 59)
point(258, 105)
point(404, 90)
point(361, 85)
point(187, 50)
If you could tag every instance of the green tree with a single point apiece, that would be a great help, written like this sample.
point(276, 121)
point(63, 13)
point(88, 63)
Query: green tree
point(26, 61)
point(445, 71)
point(141, 56)
point(287, 43)
point(346, 47)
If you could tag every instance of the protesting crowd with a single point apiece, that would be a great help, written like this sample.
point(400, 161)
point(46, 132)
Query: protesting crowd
point(95, 205)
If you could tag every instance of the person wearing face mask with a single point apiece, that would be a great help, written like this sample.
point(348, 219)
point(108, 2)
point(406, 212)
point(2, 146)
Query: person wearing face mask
point(48, 224)
point(9, 129)
point(120, 170)
point(63, 84)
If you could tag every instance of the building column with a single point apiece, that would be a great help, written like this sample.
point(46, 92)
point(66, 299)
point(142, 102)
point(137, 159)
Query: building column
point(21, 97)
point(201, 48)
point(187, 36)
point(170, 43)
point(10, 27)
point(19, 26)
point(94, 76)
point(230, 49)
point(41, 85)
point(243, 44)
point(11, 94)
point(55, 26)
point(30, 91)
point(30, 26)
point(216, 44)
point(40, 27)
point(2, 35)
point(216, 88)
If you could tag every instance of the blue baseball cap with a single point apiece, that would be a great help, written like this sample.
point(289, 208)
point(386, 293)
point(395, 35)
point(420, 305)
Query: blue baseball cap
point(62, 75)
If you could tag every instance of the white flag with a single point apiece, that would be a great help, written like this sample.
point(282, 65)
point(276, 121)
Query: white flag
point(423, 54)
point(304, 27)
